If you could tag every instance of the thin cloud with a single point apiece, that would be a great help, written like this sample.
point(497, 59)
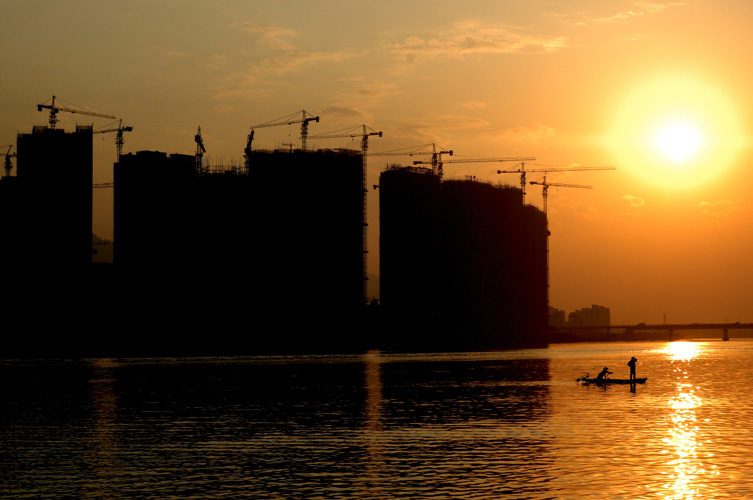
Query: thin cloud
point(473, 104)
point(295, 59)
point(526, 135)
point(278, 39)
point(363, 93)
point(720, 208)
point(444, 126)
point(282, 58)
point(474, 37)
point(273, 37)
point(618, 17)
point(634, 201)
point(342, 113)
point(640, 9)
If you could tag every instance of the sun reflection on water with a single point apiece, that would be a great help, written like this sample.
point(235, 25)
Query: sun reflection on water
point(683, 351)
point(683, 443)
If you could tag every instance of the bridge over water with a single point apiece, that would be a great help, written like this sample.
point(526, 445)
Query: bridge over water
point(670, 328)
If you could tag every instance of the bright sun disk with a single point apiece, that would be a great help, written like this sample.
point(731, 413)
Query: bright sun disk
point(678, 141)
point(676, 131)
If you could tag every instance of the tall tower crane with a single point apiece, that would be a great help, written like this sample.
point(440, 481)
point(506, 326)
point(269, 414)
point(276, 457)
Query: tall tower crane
point(522, 171)
point(55, 109)
point(247, 151)
point(476, 160)
point(118, 137)
point(8, 155)
point(545, 185)
point(200, 150)
point(361, 131)
point(435, 153)
point(364, 133)
point(287, 120)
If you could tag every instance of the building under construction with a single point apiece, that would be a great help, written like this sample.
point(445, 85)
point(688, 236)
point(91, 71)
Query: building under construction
point(48, 203)
point(277, 245)
point(463, 264)
point(54, 174)
point(47, 208)
point(308, 217)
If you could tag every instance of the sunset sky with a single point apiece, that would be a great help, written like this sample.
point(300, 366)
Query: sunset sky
point(663, 91)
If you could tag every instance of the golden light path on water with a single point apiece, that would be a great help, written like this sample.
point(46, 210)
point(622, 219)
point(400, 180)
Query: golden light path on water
point(683, 440)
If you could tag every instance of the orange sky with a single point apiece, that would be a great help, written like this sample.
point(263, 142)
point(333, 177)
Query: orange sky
point(581, 82)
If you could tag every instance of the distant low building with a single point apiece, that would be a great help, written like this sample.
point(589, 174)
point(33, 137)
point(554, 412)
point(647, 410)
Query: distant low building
point(557, 317)
point(590, 316)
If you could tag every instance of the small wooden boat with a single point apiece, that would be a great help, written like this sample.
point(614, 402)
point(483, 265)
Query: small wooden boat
point(606, 380)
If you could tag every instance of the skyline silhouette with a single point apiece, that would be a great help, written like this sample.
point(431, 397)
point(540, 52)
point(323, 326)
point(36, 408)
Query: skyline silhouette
point(566, 83)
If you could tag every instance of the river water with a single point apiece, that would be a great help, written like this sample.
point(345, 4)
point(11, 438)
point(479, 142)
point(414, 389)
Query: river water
point(511, 424)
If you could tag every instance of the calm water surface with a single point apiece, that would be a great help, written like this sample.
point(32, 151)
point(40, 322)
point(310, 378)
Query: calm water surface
point(480, 425)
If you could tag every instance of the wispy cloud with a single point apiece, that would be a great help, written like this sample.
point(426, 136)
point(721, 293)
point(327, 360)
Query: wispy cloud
point(442, 127)
point(342, 113)
point(280, 57)
point(526, 135)
point(361, 93)
point(635, 205)
point(720, 208)
point(273, 37)
point(278, 39)
point(294, 59)
point(634, 201)
point(640, 9)
point(473, 104)
point(475, 37)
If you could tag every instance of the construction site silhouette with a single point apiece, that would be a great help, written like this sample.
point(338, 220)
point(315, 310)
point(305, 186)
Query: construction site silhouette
point(267, 257)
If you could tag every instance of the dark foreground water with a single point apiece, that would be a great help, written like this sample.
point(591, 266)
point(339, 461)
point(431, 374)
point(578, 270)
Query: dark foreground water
point(467, 426)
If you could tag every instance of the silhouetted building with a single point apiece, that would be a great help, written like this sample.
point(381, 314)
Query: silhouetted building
point(46, 242)
point(409, 215)
point(590, 316)
point(155, 212)
point(308, 221)
point(13, 248)
point(280, 245)
point(557, 317)
point(462, 263)
point(54, 210)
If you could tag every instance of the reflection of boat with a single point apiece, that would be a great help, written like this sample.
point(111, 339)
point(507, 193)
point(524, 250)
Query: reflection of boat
point(587, 380)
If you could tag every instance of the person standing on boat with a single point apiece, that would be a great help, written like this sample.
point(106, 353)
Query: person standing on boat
point(631, 364)
point(603, 373)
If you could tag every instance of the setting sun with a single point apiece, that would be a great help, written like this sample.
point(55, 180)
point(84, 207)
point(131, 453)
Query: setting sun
point(676, 132)
point(678, 141)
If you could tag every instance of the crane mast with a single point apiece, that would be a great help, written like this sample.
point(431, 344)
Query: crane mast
point(119, 141)
point(545, 185)
point(8, 155)
point(436, 160)
point(435, 153)
point(522, 171)
point(478, 160)
point(287, 120)
point(200, 150)
point(364, 133)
